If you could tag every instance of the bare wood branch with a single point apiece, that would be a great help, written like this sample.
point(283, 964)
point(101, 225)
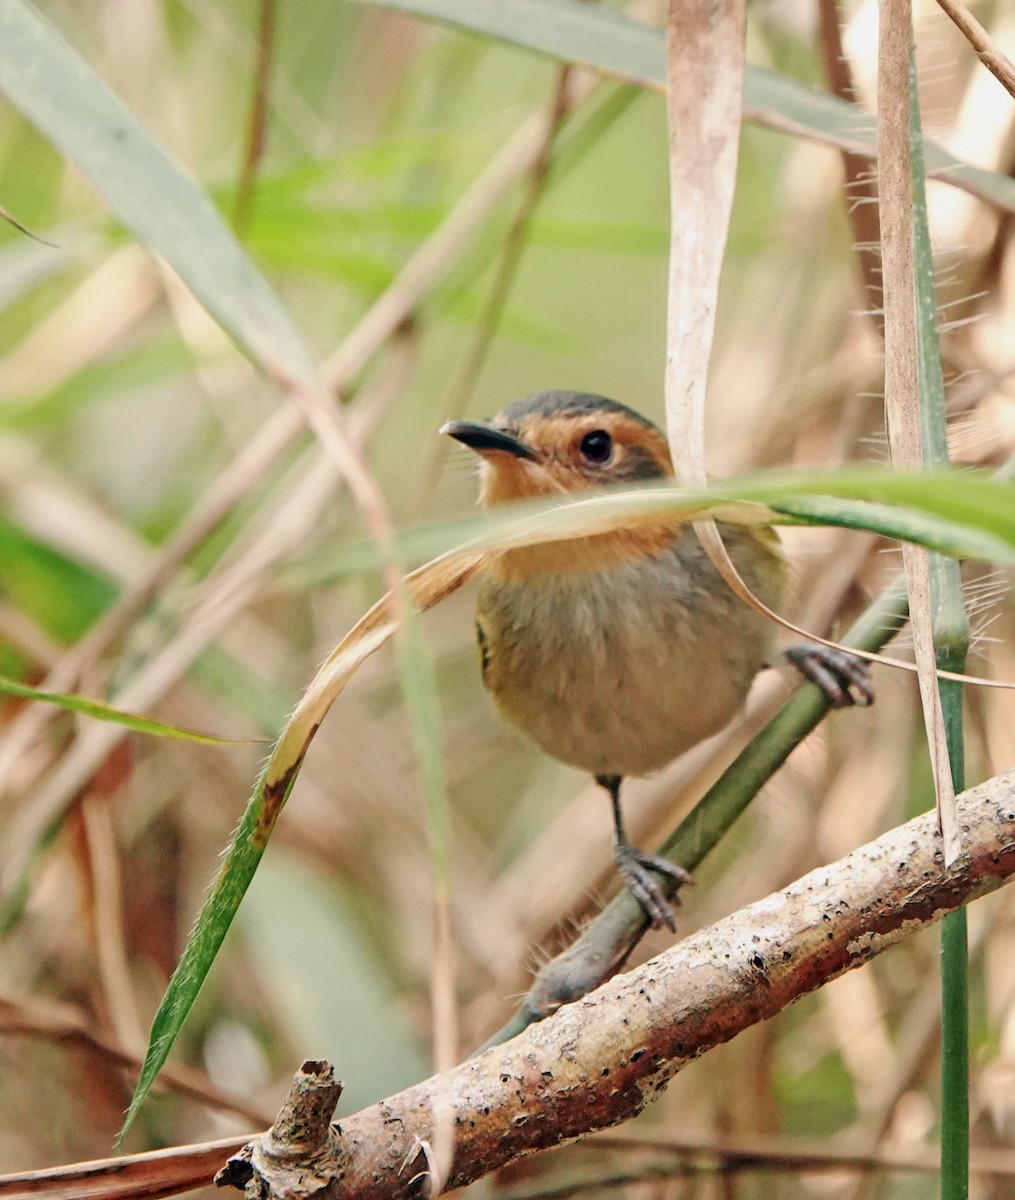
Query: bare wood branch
point(598, 1062)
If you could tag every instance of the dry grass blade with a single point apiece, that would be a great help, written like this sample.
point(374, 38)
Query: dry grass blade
point(902, 401)
point(426, 587)
point(861, 193)
point(793, 1153)
point(64, 1024)
point(705, 81)
point(704, 93)
point(444, 247)
point(423, 588)
point(257, 132)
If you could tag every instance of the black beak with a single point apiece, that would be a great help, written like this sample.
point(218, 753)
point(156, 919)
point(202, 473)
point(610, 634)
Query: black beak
point(483, 438)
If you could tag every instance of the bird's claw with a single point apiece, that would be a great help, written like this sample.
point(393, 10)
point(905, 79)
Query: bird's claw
point(655, 897)
point(842, 677)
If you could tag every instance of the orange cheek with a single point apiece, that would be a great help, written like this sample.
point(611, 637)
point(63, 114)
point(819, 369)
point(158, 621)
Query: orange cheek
point(504, 478)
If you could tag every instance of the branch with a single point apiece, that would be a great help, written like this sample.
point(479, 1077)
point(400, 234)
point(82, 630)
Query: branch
point(599, 1061)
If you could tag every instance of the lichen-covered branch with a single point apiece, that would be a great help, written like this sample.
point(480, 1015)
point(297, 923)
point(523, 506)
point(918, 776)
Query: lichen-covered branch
point(599, 1061)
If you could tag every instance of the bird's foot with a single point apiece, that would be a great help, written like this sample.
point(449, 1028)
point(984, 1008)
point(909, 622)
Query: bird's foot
point(656, 897)
point(842, 677)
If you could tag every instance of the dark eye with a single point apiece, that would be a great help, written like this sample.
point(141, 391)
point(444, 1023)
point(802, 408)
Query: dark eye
point(597, 447)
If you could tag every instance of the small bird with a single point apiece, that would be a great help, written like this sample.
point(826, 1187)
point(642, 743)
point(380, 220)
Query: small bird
point(617, 652)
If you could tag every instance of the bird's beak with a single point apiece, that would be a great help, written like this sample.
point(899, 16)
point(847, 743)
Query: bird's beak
point(487, 439)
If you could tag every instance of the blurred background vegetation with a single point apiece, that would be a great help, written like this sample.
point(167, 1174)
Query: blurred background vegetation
point(125, 413)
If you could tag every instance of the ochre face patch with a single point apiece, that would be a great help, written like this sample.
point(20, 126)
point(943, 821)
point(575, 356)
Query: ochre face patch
point(574, 451)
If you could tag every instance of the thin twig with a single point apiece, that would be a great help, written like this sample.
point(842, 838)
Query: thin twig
point(46, 1021)
point(987, 50)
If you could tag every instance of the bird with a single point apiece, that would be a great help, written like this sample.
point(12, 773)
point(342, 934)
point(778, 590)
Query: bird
point(617, 652)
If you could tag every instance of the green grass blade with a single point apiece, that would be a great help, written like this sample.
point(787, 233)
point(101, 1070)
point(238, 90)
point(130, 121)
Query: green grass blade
point(609, 41)
point(902, 524)
point(961, 513)
point(227, 890)
point(105, 712)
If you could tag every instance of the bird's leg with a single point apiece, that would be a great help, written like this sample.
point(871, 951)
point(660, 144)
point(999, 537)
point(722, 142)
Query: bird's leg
point(636, 867)
point(843, 677)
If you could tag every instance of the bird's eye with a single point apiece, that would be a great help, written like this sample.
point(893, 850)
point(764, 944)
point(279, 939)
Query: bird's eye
point(597, 447)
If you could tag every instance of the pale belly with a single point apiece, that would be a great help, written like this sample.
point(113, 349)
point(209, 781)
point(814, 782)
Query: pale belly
point(618, 672)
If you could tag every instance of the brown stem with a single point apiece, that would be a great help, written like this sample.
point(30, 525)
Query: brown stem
point(257, 130)
point(987, 49)
point(861, 188)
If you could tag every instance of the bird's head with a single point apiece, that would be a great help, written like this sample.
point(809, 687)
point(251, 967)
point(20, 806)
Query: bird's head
point(556, 442)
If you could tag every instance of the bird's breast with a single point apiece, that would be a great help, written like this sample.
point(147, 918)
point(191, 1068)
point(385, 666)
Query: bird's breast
point(619, 669)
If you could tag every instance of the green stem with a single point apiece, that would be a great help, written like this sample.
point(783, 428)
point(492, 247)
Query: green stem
point(950, 626)
point(604, 944)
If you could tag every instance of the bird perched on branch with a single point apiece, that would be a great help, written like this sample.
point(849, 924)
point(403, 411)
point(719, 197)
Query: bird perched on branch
point(617, 652)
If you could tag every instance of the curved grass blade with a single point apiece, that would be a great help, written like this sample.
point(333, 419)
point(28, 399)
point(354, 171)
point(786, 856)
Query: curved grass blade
point(116, 716)
point(962, 514)
point(944, 536)
point(427, 587)
point(611, 42)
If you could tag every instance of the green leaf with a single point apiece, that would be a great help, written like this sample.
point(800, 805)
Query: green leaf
point(275, 784)
point(588, 33)
point(226, 892)
point(419, 689)
point(104, 712)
